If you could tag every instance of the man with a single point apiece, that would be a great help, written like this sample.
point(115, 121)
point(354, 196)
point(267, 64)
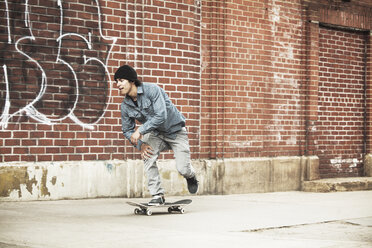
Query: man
point(163, 128)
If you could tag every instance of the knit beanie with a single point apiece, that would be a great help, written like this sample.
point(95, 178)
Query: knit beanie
point(126, 72)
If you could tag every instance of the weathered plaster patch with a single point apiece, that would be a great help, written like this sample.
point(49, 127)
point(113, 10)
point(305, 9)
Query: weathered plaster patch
point(12, 180)
point(54, 180)
point(337, 162)
point(43, 184)
point(60, 180)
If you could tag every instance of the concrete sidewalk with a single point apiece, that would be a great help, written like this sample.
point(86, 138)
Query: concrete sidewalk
point(285, 219)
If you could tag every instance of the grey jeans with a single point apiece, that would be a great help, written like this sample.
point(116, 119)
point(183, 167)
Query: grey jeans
point(181, 150)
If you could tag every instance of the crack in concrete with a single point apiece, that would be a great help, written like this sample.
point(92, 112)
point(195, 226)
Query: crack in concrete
point(306, 224)
point(7, 245)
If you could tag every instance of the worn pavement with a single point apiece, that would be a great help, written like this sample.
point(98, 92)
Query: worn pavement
point(284, 219)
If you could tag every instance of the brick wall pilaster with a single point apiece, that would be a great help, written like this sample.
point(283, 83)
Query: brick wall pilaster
point(312, 64)
point(369, 94)
point(213, 78)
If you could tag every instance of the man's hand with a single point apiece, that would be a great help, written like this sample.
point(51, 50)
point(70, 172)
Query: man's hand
point(146, 151)
point(135, 137)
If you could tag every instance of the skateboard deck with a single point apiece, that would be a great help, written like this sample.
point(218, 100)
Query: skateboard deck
point(144, 208)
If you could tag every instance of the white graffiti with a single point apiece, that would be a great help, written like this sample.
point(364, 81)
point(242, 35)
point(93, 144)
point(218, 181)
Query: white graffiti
point(30, 110)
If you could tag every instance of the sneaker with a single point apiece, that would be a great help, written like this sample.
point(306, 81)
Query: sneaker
point(157, 200)
point(192, 184)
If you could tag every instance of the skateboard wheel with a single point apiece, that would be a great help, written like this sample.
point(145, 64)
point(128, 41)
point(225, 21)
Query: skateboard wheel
point(182, 211)
point(137, 211)
point(170, 210)
point(148, 212)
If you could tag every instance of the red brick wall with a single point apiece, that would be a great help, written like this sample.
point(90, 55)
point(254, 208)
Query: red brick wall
point(161, 39)
point(245, 73)
point(57, 62)
point(340, 125)
point(251, 83)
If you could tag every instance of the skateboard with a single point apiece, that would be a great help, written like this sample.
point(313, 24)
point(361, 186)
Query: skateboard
point(144, 208)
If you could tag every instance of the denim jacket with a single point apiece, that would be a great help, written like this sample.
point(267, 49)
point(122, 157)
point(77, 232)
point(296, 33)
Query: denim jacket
point(155, 111)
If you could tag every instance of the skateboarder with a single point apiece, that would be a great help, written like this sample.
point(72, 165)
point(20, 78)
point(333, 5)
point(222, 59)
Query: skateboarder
point(163, 128)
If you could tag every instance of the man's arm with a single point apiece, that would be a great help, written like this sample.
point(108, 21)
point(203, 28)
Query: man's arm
point(128, 126)
point(160, 109)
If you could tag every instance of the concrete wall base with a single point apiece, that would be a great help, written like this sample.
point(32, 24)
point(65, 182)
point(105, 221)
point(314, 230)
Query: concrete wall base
point(368, 165)
point(338, 184)
point(91, 179)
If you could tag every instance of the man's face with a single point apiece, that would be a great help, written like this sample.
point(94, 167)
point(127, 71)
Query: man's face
point(124, 86)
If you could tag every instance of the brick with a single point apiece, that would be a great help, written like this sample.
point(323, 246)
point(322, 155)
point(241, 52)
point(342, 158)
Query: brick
point(12, 142)
point(76, 142)
point(11, 158)
point(74, 157)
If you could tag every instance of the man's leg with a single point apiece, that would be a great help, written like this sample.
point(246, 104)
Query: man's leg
point(150, 166)
point(181, 149)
